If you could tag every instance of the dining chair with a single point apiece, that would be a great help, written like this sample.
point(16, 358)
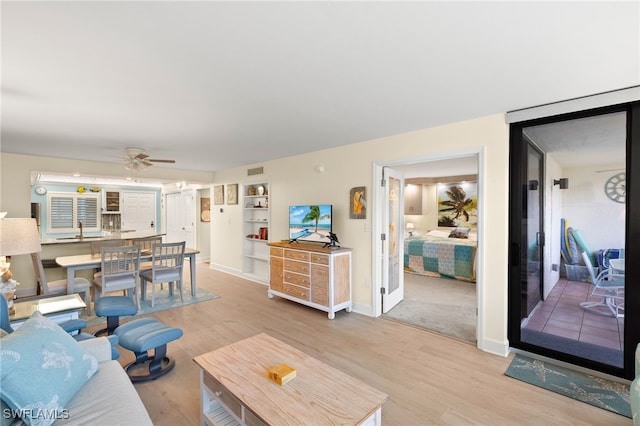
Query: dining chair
point(146, 245)
point(167, 260)
point(96, 249)
point(608, 287)
point(120, 267)
point(59, 287)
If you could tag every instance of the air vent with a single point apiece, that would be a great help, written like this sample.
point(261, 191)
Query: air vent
point(255, 171)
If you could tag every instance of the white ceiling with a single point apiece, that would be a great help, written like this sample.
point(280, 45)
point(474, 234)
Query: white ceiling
point(216, 85)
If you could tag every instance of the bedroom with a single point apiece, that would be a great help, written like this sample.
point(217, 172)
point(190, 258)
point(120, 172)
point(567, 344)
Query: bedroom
point(440, 199)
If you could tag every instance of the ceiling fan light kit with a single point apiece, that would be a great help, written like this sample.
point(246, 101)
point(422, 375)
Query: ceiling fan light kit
point(137, 160)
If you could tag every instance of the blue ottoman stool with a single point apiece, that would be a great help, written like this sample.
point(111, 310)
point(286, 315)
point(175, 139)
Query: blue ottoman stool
point(142, 335)
point(113, 307)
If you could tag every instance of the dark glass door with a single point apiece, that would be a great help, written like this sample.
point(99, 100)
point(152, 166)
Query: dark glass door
point(533, 232)
point(572, 209)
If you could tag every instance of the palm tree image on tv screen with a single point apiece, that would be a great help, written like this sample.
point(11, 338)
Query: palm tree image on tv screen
point(458, 205)
point(310, 223)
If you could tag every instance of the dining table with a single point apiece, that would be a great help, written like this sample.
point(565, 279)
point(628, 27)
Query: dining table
point(79, 262)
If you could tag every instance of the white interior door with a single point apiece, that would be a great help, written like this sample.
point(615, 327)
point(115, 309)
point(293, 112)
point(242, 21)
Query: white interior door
point(392, 245)
point(138, 211)
point(180, 209)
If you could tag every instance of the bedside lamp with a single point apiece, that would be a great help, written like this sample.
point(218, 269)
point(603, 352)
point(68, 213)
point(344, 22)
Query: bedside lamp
point(17, 236)
point(410, 228)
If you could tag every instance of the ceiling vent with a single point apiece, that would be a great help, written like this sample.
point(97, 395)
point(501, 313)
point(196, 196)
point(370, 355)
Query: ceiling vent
point(255, 171)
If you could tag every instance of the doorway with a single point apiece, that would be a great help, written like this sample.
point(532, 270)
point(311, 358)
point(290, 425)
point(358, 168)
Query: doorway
point(181, 214)
point(436, 301)
point(569, 216)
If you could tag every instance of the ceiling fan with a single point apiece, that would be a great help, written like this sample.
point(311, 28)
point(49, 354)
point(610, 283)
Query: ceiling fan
point(138, 160)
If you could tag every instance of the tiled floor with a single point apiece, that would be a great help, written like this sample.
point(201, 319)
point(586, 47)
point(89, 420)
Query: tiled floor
point(561, 315)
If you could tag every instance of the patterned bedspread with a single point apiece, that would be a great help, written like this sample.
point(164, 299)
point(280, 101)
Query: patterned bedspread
point(445, 257)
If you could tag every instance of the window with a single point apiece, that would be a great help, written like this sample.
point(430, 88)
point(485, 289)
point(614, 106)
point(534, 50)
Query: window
point(66, 210)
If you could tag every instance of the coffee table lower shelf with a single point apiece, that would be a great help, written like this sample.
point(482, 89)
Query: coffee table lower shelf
point(218, 414)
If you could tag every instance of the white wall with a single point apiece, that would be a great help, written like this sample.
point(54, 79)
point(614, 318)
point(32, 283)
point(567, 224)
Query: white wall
point(203, 229)
point(553, 231)
point(587, 208)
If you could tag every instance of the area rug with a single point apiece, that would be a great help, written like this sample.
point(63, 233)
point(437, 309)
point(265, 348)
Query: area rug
point(163, 302)
point(443, 305)
point(597, 391)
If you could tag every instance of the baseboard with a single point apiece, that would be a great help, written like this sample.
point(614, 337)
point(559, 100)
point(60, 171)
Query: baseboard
point(222, 268)
point(363, 309)
point(495, 347)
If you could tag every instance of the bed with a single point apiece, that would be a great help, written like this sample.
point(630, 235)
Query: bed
point(436, 254)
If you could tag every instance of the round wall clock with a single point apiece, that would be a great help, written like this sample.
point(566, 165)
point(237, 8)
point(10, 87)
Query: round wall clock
point(616, 188)
point(40, 190)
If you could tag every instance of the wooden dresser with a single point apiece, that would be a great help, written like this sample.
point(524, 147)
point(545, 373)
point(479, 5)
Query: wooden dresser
point(310, 274)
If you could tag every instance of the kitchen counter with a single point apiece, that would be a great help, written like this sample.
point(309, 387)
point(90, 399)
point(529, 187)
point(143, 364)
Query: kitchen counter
point(115, 235)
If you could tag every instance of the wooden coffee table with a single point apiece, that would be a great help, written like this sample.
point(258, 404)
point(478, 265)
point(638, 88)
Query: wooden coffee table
point(59, 308)
point(236, 388)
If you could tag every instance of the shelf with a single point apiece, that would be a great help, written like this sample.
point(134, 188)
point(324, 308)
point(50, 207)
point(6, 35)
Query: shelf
point(256, 240)
point(219, 415)
point(255, 221)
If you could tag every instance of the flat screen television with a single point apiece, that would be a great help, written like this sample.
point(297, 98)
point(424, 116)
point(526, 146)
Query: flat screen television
point(310, 223)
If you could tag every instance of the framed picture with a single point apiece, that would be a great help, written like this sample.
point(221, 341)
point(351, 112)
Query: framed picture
point(358, 203)
point(205, 209)
point(458, 204)
point(232, 193)
point(218, 195)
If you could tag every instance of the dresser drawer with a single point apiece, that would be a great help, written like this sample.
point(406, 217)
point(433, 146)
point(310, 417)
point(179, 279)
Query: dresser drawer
point(297, 279)
point(275, 251)
point(320, 293)
point(295, 291)
point(296, 255)
point(298, 267)
point(322, 259)
point(319, 274)
point(223, 395)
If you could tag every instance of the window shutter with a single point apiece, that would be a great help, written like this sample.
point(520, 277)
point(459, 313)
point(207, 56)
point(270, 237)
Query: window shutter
point(88, 211)
point(61, 213)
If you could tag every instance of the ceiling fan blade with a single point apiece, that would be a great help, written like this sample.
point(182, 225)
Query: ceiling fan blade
point(147, 163)
point(162, 161)
point(141, 156)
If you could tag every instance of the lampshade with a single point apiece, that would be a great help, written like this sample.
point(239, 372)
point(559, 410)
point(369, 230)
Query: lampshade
point(19, 236)
point(410, 226)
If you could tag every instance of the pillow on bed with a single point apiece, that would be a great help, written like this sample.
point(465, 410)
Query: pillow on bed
point(438, 234)
point(460, 233)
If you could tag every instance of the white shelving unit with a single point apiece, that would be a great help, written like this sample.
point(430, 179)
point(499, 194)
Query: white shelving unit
point(256, 231)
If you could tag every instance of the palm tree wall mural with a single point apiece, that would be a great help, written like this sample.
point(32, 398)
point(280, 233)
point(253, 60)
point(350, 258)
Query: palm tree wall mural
point(458, 204)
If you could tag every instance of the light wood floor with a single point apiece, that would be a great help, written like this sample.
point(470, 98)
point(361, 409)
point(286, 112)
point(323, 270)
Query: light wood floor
point(430, 378)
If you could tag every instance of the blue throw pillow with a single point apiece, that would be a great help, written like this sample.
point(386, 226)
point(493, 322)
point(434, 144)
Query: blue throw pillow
point(43, 367)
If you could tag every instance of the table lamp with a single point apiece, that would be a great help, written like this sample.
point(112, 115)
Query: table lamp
point(17, 236)
point(410, 228)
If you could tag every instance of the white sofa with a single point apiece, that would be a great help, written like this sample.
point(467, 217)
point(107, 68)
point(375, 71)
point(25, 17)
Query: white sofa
point(107, 398)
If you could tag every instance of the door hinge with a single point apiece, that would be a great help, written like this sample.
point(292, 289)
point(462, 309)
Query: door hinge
point(383, 290)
